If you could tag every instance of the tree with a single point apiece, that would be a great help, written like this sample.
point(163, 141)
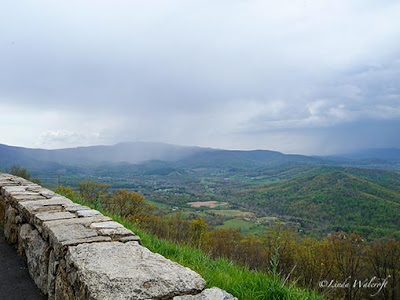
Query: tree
point(348, 251)
point(93, 191)
point(129, 205)
point(198, 229)
point(384, 258)
point(224, 242)
point(66, 191)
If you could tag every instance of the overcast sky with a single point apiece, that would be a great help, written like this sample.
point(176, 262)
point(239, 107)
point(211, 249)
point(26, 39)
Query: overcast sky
point(312, 77)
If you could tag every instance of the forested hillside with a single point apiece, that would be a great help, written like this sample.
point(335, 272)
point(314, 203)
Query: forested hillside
point(331, 201)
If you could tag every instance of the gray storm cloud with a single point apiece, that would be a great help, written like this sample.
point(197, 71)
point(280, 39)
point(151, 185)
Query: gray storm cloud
point(287, 76)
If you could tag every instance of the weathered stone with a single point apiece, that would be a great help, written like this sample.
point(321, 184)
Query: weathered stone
point(73, 234)
point(63, 290)
point(2, 210)
point(6, 190)
point(75, 207)
point(21, 197)
point(47, 194)
point(37, 255)
point(50, 216)
point(85, 221)
point(11, 229)
point(60, 234)
point(86, 240)
point(39, 218)
point(51, 275)
point(5, 176)
point(115, 232)
point(131, 238)
point(5, 182)
point(208, 294)
point(88, 213)
point(29, 208)
point(106, 225)
point(112, 229)
point(60, 201)
point(46, 226)
point(60, 249)
point(23, 181)
point(127, 271)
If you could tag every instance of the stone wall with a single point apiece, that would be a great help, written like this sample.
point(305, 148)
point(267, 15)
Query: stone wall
point(74, 252)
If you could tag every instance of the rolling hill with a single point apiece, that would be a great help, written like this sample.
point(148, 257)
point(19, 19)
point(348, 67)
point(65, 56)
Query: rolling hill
point(332, 200)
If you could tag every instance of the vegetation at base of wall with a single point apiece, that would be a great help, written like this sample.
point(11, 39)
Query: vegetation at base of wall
point(238, 280)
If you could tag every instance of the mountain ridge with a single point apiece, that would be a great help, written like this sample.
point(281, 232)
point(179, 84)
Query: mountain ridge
point(140, 152)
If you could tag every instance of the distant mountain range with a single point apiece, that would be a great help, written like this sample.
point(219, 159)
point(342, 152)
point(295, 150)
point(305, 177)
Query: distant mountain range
point(131, 153)
point(140, 152)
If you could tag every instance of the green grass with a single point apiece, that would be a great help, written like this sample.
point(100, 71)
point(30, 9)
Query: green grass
point(237, 280)
point(238, 224)
point(160, 204)
point(245, 227)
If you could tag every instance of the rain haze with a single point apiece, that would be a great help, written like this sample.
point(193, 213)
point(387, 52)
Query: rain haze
point(310, 77)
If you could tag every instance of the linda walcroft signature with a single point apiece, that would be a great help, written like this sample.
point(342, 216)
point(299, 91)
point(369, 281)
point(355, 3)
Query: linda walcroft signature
point(368, 283)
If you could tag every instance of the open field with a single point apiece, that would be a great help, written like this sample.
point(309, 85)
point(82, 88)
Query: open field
point(210, 204)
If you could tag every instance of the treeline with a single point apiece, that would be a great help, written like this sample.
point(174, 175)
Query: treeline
point(340, 266)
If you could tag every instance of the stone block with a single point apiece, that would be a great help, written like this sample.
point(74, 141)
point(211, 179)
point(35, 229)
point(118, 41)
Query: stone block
point(115, 231)
point(117, 270)
point(37, 253)
point(63, 290)
point(88, 213)
point(30, 208)
point(6, 182)
point(11, 226)
point(75, 207)
point(66, 235)
point(6, 190)
point(39, 218)
point(51, 275)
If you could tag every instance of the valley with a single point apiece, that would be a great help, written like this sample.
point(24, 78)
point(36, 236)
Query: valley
point(254, 190)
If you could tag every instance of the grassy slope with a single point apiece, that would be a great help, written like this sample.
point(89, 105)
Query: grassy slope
point(235, 279)
point(336, 198)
